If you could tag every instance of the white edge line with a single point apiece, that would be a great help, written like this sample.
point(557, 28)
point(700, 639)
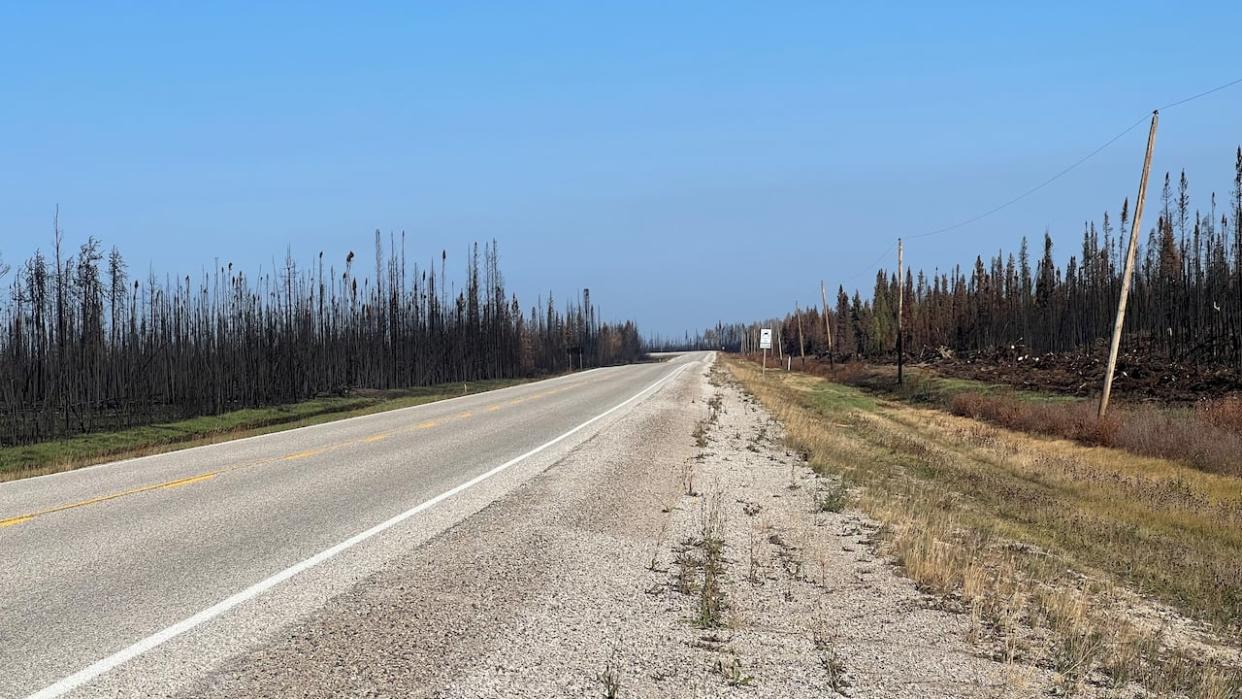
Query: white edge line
point(124, 655)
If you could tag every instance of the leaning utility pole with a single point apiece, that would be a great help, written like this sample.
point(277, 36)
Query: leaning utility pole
point(900, 296)
point(823, 300)
point(1129, 269)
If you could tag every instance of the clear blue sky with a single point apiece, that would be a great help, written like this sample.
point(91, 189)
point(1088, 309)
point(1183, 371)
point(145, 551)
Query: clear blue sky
point(688, 162)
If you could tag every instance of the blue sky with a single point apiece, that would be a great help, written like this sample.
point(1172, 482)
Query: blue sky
point(688, 162)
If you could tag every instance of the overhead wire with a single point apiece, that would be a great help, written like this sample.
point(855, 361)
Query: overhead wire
point(1205, 93)
point(1034, 189)
point(1073, 166)
point(866, 269)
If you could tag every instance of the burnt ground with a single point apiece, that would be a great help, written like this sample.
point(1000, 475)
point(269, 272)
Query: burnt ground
point(1141, 376)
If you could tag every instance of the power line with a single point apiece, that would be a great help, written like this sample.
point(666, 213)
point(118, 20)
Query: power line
point(866, 269)
point(1050, 180)
point(1034, 189)
point(1218, 88)
point(1073, 166)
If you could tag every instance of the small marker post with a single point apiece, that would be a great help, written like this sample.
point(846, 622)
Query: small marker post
point(765, 343)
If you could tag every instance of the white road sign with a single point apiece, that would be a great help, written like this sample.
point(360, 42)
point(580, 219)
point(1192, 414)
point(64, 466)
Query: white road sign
point(765, 338)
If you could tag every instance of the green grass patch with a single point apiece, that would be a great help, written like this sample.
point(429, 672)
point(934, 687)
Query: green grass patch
point(26, 460)
point(927, 387)
point(829, 398)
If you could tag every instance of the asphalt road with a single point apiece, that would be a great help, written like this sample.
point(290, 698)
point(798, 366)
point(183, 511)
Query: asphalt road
point(102, 569)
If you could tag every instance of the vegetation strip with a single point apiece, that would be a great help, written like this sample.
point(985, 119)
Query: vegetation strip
point(1206, 436)
point(1044, 543)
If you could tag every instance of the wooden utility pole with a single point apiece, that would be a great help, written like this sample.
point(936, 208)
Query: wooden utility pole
point(801, 344)
point(900, 298)
point(1129, 269)
point(823, 300)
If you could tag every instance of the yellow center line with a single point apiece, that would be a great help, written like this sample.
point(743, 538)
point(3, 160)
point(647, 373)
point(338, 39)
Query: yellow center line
point(295, 456)
point(191, 479)
point(104, 498)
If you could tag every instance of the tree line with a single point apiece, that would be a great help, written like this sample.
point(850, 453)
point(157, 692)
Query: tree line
point(1185, 303)
point(86, 347)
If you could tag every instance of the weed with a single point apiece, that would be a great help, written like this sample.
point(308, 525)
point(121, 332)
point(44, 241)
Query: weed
point(687, 567)
point(1076, 653)
point(733, 674)
point(830, 661)
point(757, 440)
point(711, 603)
point(700, 433)
point(687, 478)
point(832, 498)
point(610, 680)
point(654, 564)
point(753, 574)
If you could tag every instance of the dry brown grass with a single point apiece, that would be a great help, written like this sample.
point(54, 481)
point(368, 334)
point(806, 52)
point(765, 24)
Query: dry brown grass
point(1225, 413)
point(1051, 546)
point(1205, 438)
point(1076, 421)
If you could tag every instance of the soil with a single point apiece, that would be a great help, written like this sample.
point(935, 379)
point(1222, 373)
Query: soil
point(1141, 375)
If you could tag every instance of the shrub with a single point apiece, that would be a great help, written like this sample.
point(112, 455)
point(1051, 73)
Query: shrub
point(1225, 413)
point(832, 499)
point(1204, 438)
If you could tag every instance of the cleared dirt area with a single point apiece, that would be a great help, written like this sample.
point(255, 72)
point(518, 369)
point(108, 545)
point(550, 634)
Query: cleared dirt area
point(1142, 375)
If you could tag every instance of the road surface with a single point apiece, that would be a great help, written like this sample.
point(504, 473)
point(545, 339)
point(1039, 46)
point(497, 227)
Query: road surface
point(211, 547)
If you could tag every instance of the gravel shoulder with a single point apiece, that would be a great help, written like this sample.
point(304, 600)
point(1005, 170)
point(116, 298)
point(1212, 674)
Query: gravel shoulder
point(682, 552)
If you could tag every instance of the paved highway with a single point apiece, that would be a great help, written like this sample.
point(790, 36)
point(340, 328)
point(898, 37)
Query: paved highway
point(105, 568)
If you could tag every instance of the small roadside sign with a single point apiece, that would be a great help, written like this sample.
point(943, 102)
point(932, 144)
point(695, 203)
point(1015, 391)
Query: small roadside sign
point(765, 338)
